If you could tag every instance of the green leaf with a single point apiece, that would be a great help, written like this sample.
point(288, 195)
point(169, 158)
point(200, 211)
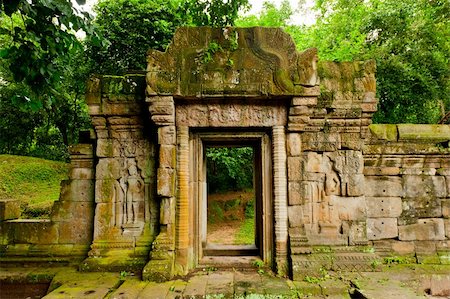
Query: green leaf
point(4, 52)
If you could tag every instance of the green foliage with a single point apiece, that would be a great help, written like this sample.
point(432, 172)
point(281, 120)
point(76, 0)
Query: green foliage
point(397, 260)
point(215, 13)
point(408, 40)
point(34, 182)
point(39, 31)
point(250, 209)
point(43, 126)
point(43, 74)
point(323, 275)
point(270, 16)
point(131, 27)
point(229, 168)
point(232, 204)
point(209, 52)
point(215, 212)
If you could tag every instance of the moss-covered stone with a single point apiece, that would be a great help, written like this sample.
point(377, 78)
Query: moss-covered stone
point(384, 132)
point(430, 133)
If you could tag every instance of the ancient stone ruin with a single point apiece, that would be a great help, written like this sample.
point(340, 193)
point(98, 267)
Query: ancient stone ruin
point(332, 190)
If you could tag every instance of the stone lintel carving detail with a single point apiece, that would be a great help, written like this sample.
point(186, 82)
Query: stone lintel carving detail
point(280, 197)
point(264, 63)
point(230, 115)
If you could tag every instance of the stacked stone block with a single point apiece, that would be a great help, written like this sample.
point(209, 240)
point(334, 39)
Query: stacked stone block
point(407, 186)
point(327, 203)
point(66, 236)
point(126, 215)
point(162, 114)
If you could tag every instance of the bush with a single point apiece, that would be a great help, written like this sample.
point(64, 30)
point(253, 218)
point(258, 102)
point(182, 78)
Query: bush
point(229, 169)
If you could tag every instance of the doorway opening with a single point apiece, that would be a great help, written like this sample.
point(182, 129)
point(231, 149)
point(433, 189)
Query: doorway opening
point(232, 194)
point(231, 198)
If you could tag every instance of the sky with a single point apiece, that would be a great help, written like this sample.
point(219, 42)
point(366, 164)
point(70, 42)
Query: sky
point(299, 18)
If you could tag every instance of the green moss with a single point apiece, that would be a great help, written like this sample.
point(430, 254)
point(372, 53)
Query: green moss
point(384, 132)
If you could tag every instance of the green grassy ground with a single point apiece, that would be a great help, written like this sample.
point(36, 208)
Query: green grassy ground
point(246, 233)
point(32, 181)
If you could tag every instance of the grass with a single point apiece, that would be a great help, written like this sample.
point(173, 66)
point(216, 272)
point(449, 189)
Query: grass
point(34, 182)
point(246, 233)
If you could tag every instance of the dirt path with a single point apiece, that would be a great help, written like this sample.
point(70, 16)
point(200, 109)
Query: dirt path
point(226, 214)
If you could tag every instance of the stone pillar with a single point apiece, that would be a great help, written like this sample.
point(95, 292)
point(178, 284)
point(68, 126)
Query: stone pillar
point(162, 257)
point(124, 174)
point(280, 198)
point(183, 200)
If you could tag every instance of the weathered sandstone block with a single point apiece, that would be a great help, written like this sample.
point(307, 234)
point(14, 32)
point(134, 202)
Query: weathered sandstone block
point(350, 208)
point(422, 207)
point(108, 168)
point(403, 247)
point(381, 228)
point(166, 182)
point(167, 156)
point(295, 193)
point(434, 133)
point(321, 141)
point(446, 208)
point(383, 207)
point(425, 229)
point(382, 186)
point(9, 209)
point(384, 131)
point(167, 135)
point(357, 234)
point(295, 216)
point(295, 168)
point(294, 145)
point(424, 186)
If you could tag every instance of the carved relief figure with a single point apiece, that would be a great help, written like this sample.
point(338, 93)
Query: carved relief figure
point(135, 193)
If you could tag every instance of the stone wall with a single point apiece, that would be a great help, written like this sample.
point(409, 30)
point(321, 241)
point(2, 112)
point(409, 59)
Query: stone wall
point(407, 176)
point(341, 193)
point(67, 235)
point(126, 213)
point(327, 203)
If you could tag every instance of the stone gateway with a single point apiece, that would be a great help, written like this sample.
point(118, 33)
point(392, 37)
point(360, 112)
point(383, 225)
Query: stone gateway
point(332, 190)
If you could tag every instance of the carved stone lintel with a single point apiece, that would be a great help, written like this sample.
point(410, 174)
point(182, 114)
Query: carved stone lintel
point(231, 115)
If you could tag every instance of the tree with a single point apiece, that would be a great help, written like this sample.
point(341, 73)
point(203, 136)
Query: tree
point(229, 168)
point(40, 31)
point(214, 13)
point(131, 27)
point(408, 40)
point(270, 16)
point(42, 77)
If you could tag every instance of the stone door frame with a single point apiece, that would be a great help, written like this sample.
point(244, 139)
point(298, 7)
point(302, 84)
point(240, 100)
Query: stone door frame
point(261, 143)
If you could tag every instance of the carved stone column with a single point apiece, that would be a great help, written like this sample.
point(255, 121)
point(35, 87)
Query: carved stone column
point(280, 198)
point(162, 257)
point(183, 201)
point(124, 171)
